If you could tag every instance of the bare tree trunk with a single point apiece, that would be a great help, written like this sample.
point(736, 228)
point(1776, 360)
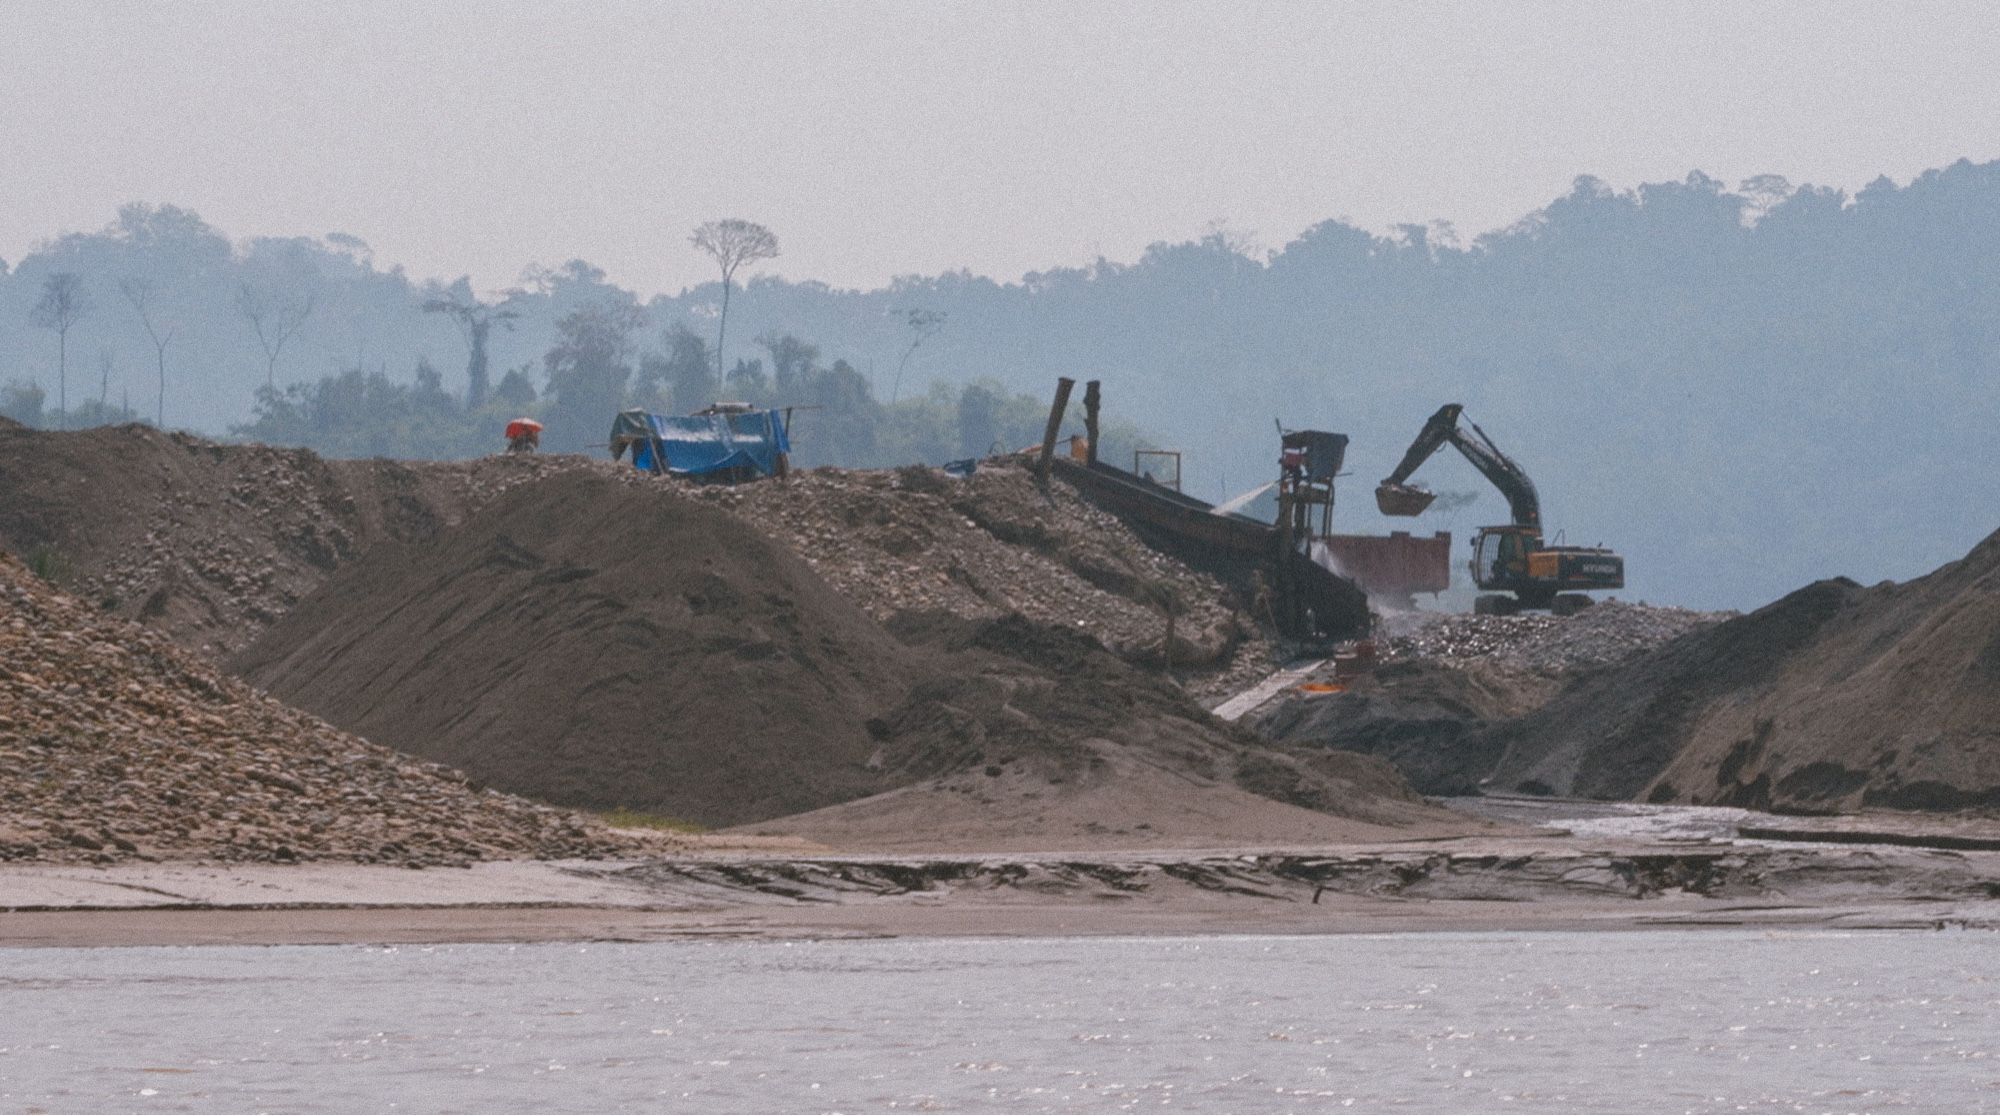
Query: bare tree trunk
point(160, 418)
point(721, 324)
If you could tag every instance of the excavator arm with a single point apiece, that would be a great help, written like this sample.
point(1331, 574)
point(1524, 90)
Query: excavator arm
point(1396, 497)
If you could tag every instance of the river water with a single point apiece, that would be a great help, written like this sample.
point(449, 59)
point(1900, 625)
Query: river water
point(1520, 1022)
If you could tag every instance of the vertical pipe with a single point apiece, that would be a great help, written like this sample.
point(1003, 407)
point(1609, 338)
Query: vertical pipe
point(1063, 387)
point(1091, 399)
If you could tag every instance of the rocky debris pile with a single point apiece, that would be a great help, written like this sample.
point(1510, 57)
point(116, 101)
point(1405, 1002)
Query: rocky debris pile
point(115, 743)
point(1607, 633)
point(915, 540)
point(211, 543)
point(601, 645)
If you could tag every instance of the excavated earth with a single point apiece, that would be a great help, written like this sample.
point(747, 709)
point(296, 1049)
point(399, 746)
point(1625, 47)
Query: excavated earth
point(892, 660)
point(570, 630)
point(1444, 680)
point(1835, 698)
point(116, 744)
point(915, 541)
point(212, 543)
point(609, 641)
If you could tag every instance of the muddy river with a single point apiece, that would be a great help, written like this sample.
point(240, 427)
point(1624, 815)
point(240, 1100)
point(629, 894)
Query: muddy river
point(1654, 1021)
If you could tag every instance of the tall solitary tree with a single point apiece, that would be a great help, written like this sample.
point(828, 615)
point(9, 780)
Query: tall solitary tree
point(275, 317)
point(63, 303)
point(140, 293)
point(731, 243)
point(475, 320)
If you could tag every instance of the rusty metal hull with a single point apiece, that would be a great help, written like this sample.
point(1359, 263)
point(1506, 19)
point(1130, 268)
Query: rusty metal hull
point(1157, 506)
point(1396, 566)
point(1234, 547)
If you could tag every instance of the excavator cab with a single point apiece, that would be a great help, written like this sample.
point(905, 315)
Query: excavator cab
point(1500, 556)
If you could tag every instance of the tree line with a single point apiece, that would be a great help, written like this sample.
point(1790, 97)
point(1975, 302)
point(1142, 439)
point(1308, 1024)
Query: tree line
point(603, 362)
point(1742, 387)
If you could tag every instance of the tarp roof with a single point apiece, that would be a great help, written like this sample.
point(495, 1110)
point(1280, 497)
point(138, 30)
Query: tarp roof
point(698, 445)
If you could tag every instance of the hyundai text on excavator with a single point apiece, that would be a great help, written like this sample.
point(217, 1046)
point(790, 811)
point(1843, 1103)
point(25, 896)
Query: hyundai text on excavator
point(1505, 560)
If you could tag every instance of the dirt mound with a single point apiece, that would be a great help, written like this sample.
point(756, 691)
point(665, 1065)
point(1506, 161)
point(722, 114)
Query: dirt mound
point(600, 642)
point(1447, 678)
point(114, 744)
point(1833, 698)
point(211, 543)
point(916, 540)
point(1038, 739)
point(1421, 716)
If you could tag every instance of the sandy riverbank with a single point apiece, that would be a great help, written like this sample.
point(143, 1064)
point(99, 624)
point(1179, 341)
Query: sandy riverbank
point(1549, 881)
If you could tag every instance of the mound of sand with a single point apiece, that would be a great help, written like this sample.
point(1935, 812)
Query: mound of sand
point(1039, 740)
point(1447, 678)
point(210, 543)
point(114, 743)
point(1425, 717)
point(602, 643)
point(1833, 698)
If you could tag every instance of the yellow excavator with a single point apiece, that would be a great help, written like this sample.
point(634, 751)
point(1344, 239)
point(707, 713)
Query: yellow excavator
point(1512, 562)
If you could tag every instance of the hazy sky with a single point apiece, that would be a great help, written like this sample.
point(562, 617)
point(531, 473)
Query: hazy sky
point(884, 139)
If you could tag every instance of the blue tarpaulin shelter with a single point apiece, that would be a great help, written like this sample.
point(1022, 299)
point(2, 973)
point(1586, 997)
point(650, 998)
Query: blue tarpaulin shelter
point(737, 443)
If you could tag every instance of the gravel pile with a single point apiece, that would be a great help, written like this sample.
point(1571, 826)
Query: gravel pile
point(915, 540)
point(116, 744)
point(245, 554)
point(1607, 633)
point(211, 543)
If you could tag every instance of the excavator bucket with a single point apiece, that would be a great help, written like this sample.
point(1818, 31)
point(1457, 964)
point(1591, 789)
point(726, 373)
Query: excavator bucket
point(1403, 499)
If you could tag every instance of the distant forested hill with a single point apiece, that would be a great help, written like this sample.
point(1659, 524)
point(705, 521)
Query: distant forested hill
point(1741, 389)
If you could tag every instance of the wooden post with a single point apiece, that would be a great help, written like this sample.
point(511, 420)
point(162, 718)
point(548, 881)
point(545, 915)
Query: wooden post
point(1091, 399)
point(1063, 387)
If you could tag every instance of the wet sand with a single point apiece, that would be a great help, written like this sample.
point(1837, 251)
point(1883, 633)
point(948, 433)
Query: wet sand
point(1550, 881)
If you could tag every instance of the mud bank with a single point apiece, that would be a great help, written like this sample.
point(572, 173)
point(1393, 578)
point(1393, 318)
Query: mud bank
point(1529, 882)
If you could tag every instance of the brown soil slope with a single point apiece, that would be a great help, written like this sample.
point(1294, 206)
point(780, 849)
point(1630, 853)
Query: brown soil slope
point(210, 543)
point(1834, 698)
point(1039, 740)
point(602, 641)
point(114, 744)
point(1446, 679)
